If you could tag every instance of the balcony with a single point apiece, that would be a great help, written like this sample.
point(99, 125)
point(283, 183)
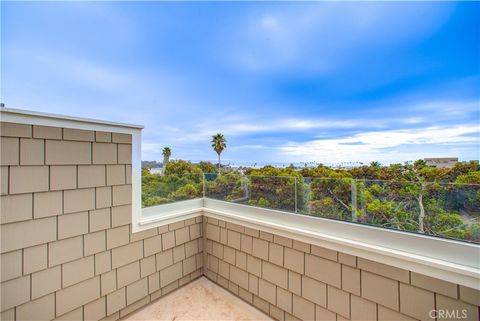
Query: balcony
point(76, 243)
point(435, 209)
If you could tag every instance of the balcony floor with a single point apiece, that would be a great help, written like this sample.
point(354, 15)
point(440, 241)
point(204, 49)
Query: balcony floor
point(198, 300)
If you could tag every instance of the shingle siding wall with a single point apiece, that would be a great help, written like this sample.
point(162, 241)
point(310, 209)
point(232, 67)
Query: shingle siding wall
point(291, 280)
point(66, 247)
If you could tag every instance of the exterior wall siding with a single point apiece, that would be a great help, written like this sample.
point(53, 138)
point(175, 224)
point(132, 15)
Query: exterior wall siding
point(292, 280)
point(67, 251)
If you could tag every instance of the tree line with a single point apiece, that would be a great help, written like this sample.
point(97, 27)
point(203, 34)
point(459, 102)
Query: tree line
point(410, 197)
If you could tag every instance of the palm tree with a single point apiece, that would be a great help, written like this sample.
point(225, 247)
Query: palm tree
point(219, 143)
point(375, 164)
point(166, 152)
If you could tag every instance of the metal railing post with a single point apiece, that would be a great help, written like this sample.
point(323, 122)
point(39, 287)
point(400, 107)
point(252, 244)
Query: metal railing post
point(354, 200)
point(296, 195)
point(203, 185)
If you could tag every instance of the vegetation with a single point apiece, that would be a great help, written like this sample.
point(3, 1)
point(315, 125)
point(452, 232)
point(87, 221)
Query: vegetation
point(181, 181)
point(410, 197)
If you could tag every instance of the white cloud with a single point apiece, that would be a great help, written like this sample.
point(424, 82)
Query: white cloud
point(251, 146)
point(373, 145)
point(151, 147)
point(446, 108)
point(203, 130)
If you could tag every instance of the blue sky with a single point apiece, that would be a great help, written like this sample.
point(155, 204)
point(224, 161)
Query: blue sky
point(284, 82)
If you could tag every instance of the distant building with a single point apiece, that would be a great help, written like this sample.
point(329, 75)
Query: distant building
point(156, 170)
point(445, 162)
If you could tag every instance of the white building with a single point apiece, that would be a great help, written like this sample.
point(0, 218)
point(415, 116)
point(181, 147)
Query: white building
point(444, 162)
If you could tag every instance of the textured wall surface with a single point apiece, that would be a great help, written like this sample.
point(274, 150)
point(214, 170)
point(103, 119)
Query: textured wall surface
point(291, 280)
point(66, 247)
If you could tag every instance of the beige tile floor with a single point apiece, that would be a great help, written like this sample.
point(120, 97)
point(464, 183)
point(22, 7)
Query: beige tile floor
point(199, 300)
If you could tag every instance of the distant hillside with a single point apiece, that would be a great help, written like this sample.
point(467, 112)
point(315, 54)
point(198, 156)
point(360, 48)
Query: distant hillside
point(151, 164)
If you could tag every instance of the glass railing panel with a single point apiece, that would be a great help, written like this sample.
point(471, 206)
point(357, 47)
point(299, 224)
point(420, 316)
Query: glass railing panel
point(430, 208)
point(231, 187)
point(275, 192)
point(161, 189)
point(452, 210)
point(326, 197)
point(442, 210)
point(388, 204)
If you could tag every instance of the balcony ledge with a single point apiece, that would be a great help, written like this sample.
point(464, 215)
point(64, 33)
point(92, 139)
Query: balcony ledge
point(445, 259)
